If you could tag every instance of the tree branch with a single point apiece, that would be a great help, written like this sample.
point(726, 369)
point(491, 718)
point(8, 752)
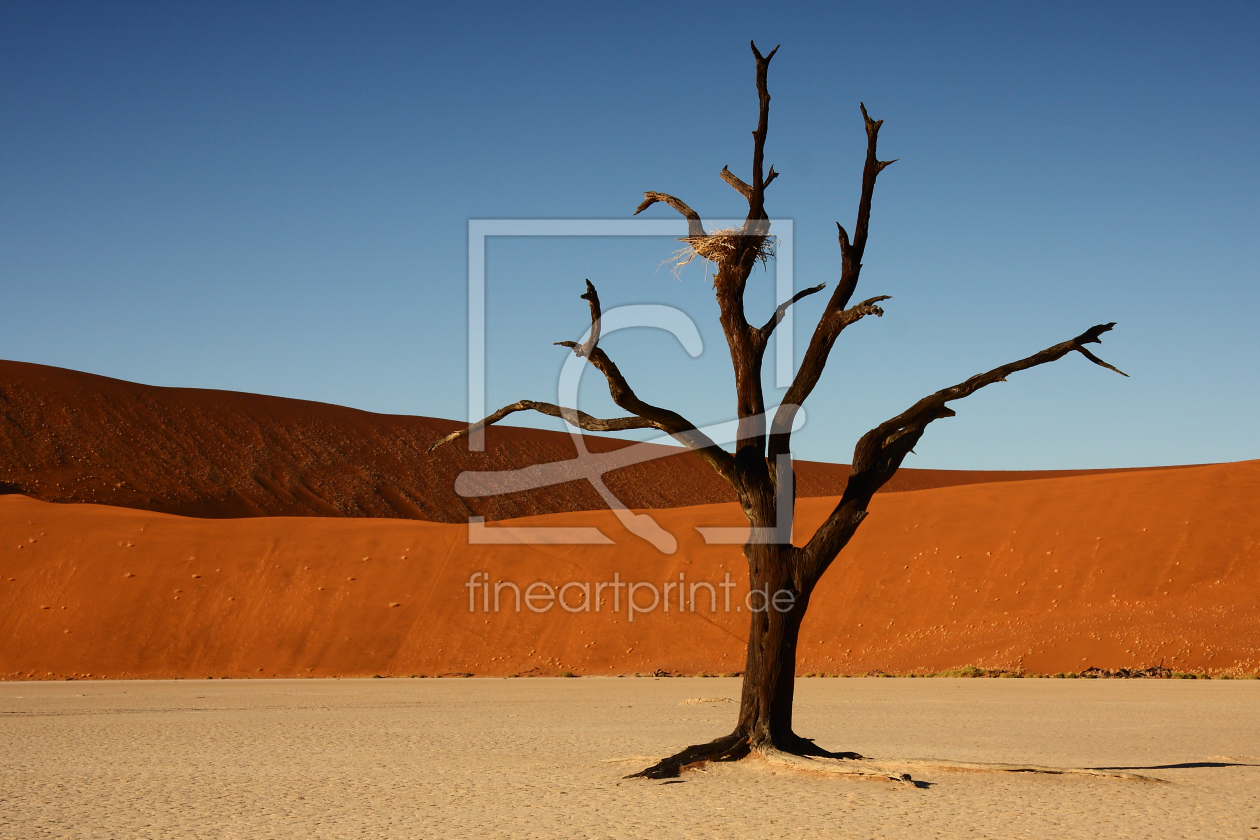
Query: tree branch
point(782, 309)
point(835, 317)
point(880, 452)
point(731, 178)
point(694, 226)
point(859, 311)
point(852, 253)
point(740, 187)
point(646, 415)
point(730, 281)
point(670, 422)
point(577, 418)
point(587, 348)
point(756, 201)
point(807, 375)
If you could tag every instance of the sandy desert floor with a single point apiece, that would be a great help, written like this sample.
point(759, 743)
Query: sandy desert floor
point(408, 758)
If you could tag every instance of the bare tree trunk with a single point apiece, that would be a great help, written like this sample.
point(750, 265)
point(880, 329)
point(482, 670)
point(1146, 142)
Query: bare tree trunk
point(765, 714)
point(777, 601)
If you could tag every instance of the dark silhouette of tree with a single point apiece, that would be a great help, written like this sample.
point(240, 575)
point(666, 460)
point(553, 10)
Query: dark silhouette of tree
point(760, 469)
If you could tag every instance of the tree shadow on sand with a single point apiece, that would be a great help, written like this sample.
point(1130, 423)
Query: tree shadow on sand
point(1188, 765)
point(854, 766)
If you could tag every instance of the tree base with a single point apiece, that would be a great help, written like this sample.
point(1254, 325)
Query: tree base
point(806, 756)
point(734, 747)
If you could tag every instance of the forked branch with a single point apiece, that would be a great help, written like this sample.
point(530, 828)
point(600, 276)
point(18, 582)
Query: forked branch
point(835, 317)
point(881, 450)
point(646, 415)
point(736, 254)
point(851, 252)
point(740, 187)
point(859, 311)
point(888, 443)
point(829, 328)
point(756, 199)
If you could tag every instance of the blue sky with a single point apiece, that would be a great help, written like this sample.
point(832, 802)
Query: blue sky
point(275, 198)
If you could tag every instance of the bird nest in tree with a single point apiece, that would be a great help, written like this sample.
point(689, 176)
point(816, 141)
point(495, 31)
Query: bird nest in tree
point(722, 247)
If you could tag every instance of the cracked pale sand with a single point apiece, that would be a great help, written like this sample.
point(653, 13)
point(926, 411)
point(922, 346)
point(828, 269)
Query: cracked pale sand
point(546, 757)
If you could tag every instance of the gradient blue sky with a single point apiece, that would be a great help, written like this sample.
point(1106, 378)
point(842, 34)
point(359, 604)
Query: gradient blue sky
point(275, 198)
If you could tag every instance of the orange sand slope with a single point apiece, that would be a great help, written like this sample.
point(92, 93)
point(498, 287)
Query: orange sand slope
point(67, 436)
point(1116, 570)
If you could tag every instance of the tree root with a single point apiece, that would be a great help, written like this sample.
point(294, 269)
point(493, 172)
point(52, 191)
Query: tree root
point(803, 754)
point(731, 747)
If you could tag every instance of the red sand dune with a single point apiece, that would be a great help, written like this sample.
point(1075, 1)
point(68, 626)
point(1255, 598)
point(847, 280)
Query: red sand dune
point(75, 437)
point(1116, 570)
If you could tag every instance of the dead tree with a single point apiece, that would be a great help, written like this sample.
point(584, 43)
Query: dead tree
point(761, 465)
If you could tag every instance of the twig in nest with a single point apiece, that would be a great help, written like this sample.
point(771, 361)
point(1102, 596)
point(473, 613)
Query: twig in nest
point(721, 246)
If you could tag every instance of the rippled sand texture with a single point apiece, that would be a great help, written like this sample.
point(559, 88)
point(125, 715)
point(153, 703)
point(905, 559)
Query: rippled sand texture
point(545, 757)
